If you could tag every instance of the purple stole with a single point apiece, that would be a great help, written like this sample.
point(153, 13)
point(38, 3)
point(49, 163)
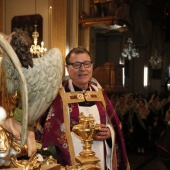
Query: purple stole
point(122, 159)
point(54, 129)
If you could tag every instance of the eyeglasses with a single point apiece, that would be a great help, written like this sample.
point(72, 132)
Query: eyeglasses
point(77, 65)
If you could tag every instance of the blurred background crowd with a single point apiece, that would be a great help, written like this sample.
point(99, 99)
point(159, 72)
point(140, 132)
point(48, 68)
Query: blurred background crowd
point(143, 119)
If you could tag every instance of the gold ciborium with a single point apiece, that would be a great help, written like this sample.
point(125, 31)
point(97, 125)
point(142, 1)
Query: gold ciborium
point(86, 129)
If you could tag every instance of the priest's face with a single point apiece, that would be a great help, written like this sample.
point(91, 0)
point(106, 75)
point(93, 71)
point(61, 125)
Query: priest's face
point(80, 69)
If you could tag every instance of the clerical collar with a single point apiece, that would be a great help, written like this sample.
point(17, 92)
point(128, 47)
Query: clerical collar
point(79, 89)
point(85, 103)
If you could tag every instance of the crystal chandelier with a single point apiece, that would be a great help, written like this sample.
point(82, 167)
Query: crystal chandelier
point(129, 50)
point(36, 49)
point(155, 61)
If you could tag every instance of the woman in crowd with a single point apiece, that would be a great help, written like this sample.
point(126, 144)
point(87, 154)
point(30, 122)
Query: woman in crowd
point(156, 117)
point(131, 104)
point(141, 128)
point(122, 109)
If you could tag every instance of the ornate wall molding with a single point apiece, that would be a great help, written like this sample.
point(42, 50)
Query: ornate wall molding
point(1, 15)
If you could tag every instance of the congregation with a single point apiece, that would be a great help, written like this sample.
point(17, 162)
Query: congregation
point(143, 119)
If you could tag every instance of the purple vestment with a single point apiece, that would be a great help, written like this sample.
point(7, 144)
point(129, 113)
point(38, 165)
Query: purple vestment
point(54, 130)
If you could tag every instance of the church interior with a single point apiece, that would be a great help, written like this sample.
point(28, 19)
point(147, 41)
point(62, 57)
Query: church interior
point(129, 41)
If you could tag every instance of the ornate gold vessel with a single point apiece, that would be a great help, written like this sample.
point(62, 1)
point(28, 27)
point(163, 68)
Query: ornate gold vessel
point(86, 129)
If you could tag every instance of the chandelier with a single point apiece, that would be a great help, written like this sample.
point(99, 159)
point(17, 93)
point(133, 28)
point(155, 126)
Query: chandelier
point(37, 50)
point(129, 50)
point(155, 61)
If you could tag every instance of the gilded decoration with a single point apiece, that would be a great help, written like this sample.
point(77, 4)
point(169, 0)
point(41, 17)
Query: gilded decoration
point(105, 12)
point(75, 97)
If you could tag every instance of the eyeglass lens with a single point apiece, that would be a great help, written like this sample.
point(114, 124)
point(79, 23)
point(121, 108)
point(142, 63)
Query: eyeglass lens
point(86, 64)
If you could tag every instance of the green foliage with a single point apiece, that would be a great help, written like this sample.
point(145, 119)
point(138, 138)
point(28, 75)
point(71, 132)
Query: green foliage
point(51, 150)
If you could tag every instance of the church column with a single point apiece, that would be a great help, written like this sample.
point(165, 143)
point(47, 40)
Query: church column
point(1, 16)
point(73, 23)
point(84, 33)
point(64, 24)
point(58, 25)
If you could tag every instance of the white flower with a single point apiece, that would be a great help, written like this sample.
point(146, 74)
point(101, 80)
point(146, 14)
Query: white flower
point(62, 127)
point(50, 113)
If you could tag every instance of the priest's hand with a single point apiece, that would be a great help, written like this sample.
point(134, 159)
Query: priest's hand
point(103, 134)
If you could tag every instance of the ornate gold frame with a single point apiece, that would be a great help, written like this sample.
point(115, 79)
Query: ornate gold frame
point(106, 12)
point(27, 22)
point(110, 20)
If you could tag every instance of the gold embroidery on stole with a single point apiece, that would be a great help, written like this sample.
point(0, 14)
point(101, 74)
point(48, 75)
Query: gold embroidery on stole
point(76, 97)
